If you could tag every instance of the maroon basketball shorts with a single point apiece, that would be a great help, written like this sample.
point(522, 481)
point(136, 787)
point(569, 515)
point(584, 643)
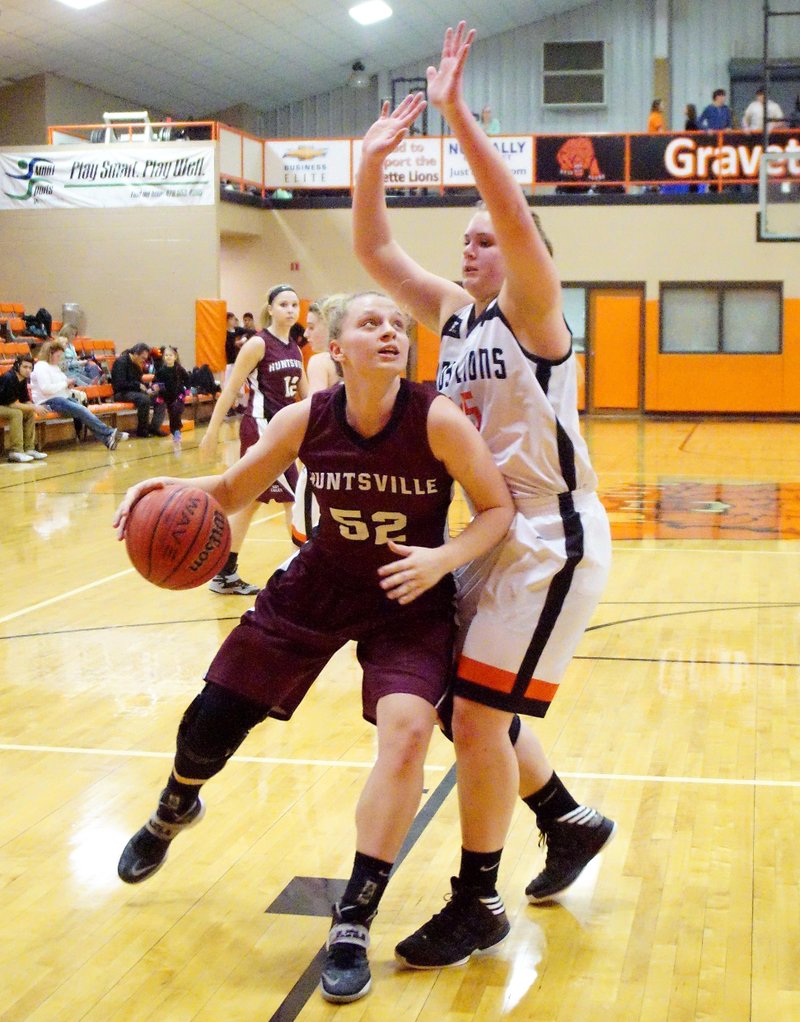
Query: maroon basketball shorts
point(282, 490)
point(307, 612)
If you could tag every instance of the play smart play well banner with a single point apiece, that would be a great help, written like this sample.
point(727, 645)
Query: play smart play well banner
point(103, 177)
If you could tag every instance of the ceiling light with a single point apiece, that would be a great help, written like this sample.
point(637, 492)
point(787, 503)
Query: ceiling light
point(358, 78)
point(79, 5)
point(370, 12)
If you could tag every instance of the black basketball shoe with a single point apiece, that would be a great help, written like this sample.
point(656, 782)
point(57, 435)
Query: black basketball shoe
point(346, 975)
point(466, 926)
point(146, 851)
point(572, 842)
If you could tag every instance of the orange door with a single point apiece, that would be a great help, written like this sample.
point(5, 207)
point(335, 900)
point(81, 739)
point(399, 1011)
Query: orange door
point(615, 332)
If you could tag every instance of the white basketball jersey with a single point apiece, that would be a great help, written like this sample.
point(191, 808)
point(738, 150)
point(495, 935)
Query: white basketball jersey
point(525, 407)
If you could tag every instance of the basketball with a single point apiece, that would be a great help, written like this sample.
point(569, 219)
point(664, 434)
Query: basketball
point(177, 537)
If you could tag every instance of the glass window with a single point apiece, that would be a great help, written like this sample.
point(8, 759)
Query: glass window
point(751, 320)
point(689, 320)
point(716, 317)
point(575, 315)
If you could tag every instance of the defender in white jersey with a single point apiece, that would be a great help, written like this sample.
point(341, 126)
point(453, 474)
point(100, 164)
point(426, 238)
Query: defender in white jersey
point(506, 360)
point(540, 588)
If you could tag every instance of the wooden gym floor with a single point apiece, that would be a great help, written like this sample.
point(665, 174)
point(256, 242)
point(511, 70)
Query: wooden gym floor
point(680, 718)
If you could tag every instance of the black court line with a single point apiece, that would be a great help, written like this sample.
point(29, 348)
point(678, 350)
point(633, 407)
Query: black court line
point(40, 480)
point(294, 1002)
point(686, 613)
point(670, 660)
point(114, 628)
point(707, 609)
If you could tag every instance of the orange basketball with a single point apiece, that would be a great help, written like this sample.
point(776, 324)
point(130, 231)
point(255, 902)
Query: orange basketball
point(177, 537)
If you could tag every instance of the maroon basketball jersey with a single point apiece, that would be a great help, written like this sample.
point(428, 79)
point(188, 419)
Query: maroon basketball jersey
point(273, 382)
point(371, 490)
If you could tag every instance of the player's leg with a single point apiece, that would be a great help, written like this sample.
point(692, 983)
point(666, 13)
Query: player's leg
point(474, 919)
point(384, 814)
point(212, 729)
point(228, 582)
point(572, 833)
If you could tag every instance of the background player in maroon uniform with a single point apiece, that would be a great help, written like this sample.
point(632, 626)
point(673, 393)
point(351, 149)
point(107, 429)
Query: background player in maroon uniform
point(381, 455)
point(272, 365)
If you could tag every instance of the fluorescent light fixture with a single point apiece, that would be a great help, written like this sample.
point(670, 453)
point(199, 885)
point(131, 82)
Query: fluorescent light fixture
point(370, 12)
point(79, 5)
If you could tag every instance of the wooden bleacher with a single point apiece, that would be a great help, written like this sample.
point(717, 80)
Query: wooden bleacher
point(52, 428)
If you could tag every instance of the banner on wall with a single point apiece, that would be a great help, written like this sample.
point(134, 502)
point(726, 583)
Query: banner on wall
point(516, 150)
point(730, 155)
point(317, 163)
point(415, 163)
point(108, 177)
point(580, 159)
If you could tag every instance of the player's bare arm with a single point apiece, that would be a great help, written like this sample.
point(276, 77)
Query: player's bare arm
point(239, 486)
point(430, 299)
point(531, 295)
point(250, 354)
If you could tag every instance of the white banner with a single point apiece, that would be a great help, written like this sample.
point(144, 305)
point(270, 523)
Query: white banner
point(109, 176)
point(416, 162)
point(319, 163)
point(516, 150)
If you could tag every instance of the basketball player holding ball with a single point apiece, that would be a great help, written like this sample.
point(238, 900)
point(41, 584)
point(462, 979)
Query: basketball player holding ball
point(272, 364)
point(506, 360)
point(381, 455)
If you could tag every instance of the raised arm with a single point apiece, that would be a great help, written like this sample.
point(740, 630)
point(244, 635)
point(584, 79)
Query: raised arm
point(430, 299)
point(531, 295)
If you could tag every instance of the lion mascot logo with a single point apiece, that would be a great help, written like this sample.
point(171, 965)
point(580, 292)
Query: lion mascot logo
point(577, 160)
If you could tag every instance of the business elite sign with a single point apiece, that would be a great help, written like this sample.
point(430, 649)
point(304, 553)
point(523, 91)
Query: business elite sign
point(91, 178)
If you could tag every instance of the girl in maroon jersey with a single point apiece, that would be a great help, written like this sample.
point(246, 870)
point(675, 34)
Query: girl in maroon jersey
point(272, 365)
point(381, 454)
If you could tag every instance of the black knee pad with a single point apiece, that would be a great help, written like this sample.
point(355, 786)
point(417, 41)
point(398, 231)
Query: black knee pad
point(212, 729)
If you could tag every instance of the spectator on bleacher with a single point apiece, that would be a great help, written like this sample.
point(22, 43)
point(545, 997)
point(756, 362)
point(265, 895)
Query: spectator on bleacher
point(234, 339)
point(52, 389)
point(126, 379)
point(717, 115)
point(249, 327)
point(18, 411)
point(84, 371)
point(655, 122)
point(753, 118)
point(7, 335)
point(491, 125)
point(172, 382)
point(690, 114)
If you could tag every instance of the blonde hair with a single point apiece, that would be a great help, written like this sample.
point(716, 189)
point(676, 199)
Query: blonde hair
point(69, 331)
point(48, 348)
point(265, 316)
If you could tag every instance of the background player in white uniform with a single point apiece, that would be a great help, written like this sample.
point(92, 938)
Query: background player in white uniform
point(506, 359)
point(256, 356)
point(321, 373)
